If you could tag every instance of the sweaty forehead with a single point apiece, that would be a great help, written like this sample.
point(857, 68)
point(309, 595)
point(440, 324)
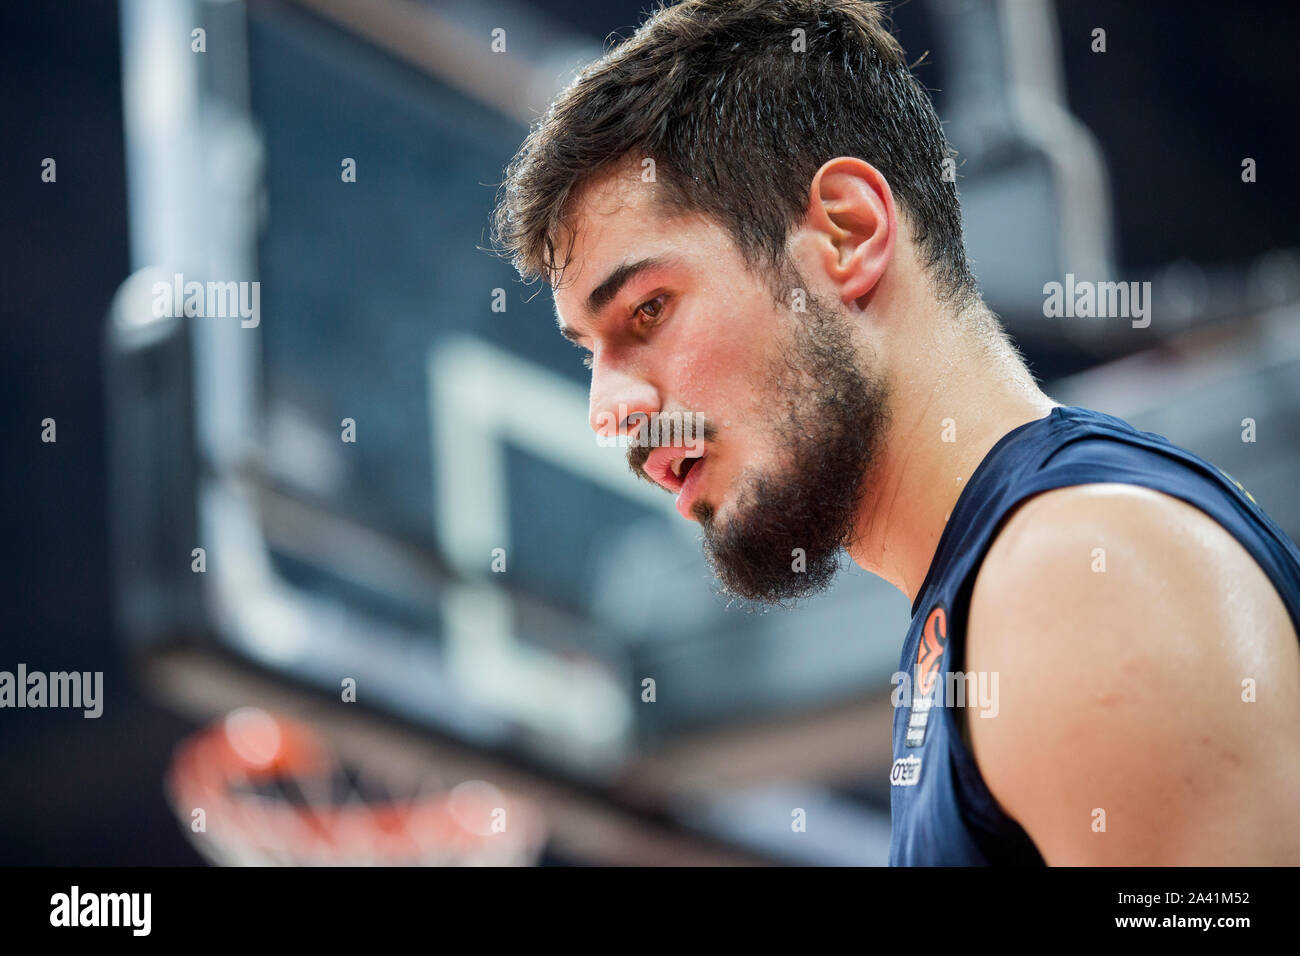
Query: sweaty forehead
point(618, 218)
point(605, 218)
point(618, 188)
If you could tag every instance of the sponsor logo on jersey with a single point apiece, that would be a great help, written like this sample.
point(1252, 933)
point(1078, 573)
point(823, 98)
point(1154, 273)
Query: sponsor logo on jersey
point(906, 771)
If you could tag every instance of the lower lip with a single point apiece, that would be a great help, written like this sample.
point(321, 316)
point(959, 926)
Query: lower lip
point(686, 497)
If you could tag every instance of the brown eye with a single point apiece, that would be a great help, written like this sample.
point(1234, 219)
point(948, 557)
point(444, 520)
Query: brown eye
point(653, 308)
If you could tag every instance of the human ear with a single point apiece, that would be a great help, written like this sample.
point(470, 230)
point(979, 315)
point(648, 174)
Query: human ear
point(851, 212)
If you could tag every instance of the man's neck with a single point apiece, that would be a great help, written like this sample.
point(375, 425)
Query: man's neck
point(947, 416)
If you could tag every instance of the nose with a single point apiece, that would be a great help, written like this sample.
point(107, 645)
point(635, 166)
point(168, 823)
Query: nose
point(621, 400)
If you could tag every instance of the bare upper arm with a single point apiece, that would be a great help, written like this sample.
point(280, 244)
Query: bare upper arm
point(1125, 627)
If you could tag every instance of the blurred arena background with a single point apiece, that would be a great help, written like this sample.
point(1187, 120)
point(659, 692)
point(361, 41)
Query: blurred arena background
point(377, 560)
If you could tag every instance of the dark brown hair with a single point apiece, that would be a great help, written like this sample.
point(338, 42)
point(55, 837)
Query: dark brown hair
point(738, 121)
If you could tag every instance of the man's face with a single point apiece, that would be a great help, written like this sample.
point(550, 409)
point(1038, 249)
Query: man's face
point(677, 323)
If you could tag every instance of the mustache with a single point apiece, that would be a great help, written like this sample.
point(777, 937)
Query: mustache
point(678, 429)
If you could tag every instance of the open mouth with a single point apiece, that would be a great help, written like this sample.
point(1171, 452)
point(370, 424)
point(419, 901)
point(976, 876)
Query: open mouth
point(670, 467)
point(677, 470)
point(691, 469)
point(682, 467)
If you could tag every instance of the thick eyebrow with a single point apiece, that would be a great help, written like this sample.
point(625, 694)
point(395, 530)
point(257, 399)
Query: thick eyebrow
point(608, 289)
point(604, 293)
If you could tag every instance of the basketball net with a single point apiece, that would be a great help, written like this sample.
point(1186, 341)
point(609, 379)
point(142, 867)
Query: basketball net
point(255, 789)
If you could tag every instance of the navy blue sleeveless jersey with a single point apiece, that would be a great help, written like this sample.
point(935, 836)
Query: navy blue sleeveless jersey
point(942, 812)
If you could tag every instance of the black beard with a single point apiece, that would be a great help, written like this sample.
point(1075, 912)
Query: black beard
point(836, 417)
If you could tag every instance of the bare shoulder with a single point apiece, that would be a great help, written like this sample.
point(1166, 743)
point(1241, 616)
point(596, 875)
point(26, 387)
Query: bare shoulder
point(1149, 683)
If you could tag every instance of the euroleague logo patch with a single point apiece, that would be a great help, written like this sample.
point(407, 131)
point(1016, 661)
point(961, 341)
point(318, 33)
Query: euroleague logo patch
point(929, 655)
